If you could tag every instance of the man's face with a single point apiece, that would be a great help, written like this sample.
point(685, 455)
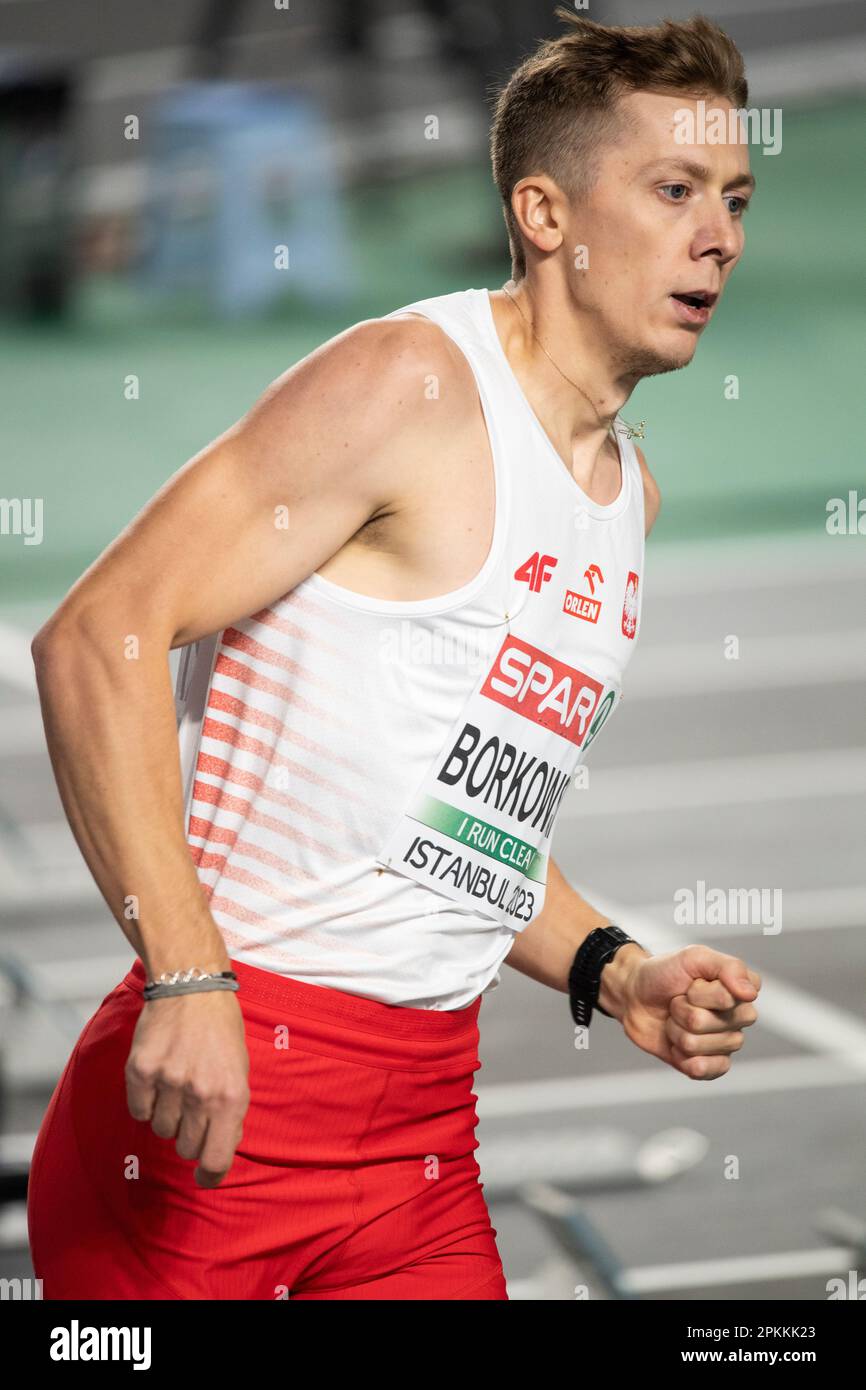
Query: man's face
point(662, 219)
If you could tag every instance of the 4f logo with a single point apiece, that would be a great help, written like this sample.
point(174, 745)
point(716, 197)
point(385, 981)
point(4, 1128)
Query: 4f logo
point(536, 570)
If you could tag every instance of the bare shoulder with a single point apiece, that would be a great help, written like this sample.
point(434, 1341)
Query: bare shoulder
point(364, 404)
point(412, 352)
point(427, 358)
point(652, 495)
point(381, 379)
point(372, 357)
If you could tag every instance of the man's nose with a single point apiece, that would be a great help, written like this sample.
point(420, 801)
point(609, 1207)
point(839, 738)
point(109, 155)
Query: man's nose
point(719, 236)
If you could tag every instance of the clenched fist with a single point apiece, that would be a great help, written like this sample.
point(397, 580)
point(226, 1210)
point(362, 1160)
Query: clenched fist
point(689, 1008)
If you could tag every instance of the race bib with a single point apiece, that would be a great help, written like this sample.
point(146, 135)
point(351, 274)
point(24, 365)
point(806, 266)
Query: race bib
point(478, 829)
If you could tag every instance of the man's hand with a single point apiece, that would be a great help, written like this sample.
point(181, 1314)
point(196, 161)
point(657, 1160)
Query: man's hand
point(689, 1008)
point(187, 1074)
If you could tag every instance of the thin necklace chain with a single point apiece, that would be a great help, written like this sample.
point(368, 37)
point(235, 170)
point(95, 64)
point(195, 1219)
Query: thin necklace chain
point(634, 431)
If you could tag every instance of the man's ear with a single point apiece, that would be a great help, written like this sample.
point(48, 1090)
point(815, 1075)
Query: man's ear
point(537, 206)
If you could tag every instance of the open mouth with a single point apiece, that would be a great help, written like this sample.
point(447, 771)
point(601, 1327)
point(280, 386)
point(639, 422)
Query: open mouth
point(694, 306)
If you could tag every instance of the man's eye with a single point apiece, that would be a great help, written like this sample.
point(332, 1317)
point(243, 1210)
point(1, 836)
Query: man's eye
point(672, 187)
point(743, 205)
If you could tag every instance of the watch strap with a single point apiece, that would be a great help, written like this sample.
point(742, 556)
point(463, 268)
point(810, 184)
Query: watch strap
point(584, 980)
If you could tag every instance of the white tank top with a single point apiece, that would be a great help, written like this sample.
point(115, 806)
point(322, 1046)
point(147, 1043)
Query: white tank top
point(372, 785)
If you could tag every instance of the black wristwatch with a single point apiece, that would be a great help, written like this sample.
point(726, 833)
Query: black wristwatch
point(584, 980)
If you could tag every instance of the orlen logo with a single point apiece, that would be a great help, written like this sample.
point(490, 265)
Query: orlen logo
point(542, 689)
point(579, 606)
point(536, 570)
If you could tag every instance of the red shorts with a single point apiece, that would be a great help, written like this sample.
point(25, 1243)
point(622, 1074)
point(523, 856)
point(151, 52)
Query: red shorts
point(355, 1176)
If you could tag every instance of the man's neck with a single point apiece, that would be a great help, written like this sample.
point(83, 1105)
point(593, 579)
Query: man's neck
point(577, 424)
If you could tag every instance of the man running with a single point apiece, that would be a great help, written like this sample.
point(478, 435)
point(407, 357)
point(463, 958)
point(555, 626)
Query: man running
point(408, 582)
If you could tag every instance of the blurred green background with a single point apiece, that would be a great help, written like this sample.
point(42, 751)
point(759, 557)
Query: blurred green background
point(790, 328)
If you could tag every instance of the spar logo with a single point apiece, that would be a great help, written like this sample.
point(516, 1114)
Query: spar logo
point(581, 605)
point(538, 687)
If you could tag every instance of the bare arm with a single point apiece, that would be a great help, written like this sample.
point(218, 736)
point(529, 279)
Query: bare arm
point(545, 950)
point(686, 1007)
point(651, 493)
point(329, 441)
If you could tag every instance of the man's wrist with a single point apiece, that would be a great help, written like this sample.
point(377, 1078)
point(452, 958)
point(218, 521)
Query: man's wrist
point(615, 976)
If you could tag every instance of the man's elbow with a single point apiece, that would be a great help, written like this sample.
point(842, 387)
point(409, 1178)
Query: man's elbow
point(66, 633)
point(56, 632)
point(48, 640)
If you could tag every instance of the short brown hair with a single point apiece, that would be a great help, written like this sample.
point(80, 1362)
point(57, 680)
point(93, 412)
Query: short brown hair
point(560, 104)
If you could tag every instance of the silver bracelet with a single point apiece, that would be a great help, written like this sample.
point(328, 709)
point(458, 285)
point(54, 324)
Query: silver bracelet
point(194, 981)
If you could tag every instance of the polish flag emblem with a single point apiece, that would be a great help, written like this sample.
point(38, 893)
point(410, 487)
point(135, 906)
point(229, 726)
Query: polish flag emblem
point(629, 607)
